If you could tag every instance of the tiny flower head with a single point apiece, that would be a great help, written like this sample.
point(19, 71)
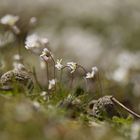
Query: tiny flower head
point(95, 69)
point(91, 74)
point(35, 43)
point(43, 93)
point(72, 66)
point(59, 65)
point(33, 21)
point(46, 54)
point(9, 20)
point(17, 57)
point(51, 84)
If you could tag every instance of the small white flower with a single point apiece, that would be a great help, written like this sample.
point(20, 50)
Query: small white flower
point(35, 43)
point(69, 97)
point(91, 74)
point(36, 105)
point(72, 66)
point(9, 20)
point(33, 20)
point(43, 93)
point(95, 69)
point(51, 83)
point(46, 54)
point(58, 65)
point(17, 57)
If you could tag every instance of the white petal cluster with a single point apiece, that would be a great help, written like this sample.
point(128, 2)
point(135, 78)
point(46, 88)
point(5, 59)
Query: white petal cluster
point(91, 74)
point(9, 20)
point(35, 43)
point(59, 65)
point(51, 84)
point(72, 66)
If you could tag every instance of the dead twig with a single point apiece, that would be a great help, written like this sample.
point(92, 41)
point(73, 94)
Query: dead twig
point(124, 107)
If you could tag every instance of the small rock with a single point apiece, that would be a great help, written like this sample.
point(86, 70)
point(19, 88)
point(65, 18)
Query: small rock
point(104, 107)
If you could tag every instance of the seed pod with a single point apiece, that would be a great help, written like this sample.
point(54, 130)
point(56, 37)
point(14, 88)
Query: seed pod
point(20, 78)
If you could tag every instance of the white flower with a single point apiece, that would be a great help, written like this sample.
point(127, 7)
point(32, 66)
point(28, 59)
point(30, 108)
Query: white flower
point(17, 57)
point(46, 54)
point(43, 93)
point(9, 20)
point(33, 20)
point(58, 65)
point(51, 83)
point(95, 69)
point(35, 43)
point(36, 105)
point(72, 66)
point(91, 74)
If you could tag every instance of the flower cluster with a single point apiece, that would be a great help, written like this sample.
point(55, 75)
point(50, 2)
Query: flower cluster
point(36, 44)
point(9, 20)
point(39, 46)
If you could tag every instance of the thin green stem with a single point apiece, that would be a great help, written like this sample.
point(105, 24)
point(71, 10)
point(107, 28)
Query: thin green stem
point(79, 66)
point(85, 72)
point(60, 78)
point(36, 79)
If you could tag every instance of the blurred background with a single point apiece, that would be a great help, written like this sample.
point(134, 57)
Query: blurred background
point(98, 33)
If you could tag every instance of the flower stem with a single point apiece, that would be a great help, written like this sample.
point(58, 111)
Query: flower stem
point(72, 78)
point(85, 71)
point(60, 78)
point(47, 72)
point(54, 72)
point(79, 66)
point(35, 76)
